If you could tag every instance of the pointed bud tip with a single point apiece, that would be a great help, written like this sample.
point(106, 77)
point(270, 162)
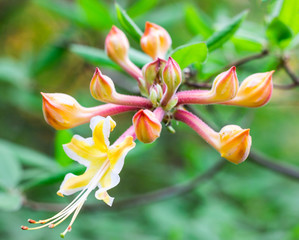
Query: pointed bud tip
point(114, 29)
point(149, 25)
point(233, 68)
point(98, 71)
point(45, 96)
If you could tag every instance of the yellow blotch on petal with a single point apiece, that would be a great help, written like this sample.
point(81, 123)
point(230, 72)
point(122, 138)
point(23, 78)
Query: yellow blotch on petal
point(116, 153)
point(94, 153)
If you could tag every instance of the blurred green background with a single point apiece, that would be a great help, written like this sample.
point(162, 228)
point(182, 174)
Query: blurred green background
point(54, 46)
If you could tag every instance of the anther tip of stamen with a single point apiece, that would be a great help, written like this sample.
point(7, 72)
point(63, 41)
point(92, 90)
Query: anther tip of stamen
point(24, 228)
point(31, 221)
point(62, 235)
point(69, 228)
point(41, 222)
point(51, 225)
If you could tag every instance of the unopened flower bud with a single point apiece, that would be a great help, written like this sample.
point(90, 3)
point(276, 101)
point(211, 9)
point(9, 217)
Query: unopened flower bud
point(117, 45)
point(172, 78)
point(147, 126)
point(225, 85)
point(156, 94)
point(117, 48)
point(235, 143)
point(102, 87)
point(62, 111)
point(255, 91)
point(152, 72)
point(155, 41)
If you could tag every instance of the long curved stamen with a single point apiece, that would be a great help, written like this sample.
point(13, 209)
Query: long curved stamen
point(69, 228)
point(75, 205)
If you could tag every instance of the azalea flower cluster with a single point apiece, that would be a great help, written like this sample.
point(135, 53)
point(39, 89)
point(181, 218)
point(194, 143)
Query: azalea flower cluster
point(160, 101)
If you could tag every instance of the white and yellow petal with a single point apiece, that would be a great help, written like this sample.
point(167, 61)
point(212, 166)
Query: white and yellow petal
point(101, 128)
point(110, 180)
point(117, 153)
point(84, 151)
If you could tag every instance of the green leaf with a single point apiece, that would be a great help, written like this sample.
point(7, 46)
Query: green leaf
point(13, 72)
point(128, 24)
point(93, 55)
point(138, 57)
point(223, 35)
point(164, 15)
point(289, 14)
point(24, 99)
point(279, 33)
point(30, 157)
point(141, 7)
point(247, 44)
point(96, 13)
point(190, 53)
point(98, 56)
point(196, 22)
point(10, 201)
point(53, 178)
point(65, 9)
point(62, 137)
point(46, 58)
point(10, 170)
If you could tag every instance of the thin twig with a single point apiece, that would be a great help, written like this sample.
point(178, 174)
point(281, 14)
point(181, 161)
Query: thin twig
point(240, 62)
point(291, 74)
point(286, 86)
point(289, 171)
point(139, 200)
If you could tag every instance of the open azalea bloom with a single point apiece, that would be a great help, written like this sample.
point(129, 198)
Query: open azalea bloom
point(103, 165)
point(160, 101)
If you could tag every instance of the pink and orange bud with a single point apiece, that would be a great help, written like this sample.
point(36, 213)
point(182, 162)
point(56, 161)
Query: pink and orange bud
point(102, 87)
point(225, 85)
point(152, 72)
point(255, 91)
point(235, 143)
point(155, 41)
point(62, 111)
point(117, 48)
point(147, 126)
point(172, 78)
point(117, 45)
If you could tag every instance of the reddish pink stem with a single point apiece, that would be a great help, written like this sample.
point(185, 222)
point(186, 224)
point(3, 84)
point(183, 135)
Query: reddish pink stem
point(129, 132)
point(193, 97)
point(108, 110)
point(159, 113)
point(135, 101)
point(207, 133)
point(132, 69)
